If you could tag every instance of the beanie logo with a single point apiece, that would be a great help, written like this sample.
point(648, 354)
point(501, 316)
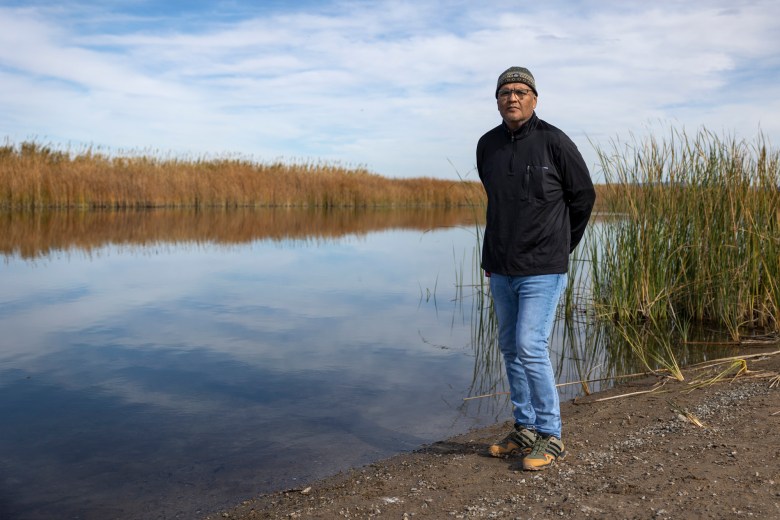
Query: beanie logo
point(516, 76)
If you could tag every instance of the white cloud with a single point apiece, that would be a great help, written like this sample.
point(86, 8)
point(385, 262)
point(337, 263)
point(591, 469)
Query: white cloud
point(403, 88)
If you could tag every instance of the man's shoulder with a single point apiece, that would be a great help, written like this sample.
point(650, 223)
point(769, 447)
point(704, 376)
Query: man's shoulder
point(553, 134)
point(544, 126)
point(497, 130)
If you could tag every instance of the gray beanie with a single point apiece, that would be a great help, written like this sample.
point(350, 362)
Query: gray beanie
point(516, 75)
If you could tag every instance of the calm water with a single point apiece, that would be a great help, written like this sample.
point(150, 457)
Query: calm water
point(167, 365)
point(167, 374)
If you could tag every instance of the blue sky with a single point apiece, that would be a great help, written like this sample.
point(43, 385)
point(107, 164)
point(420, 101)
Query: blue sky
point(404, 88)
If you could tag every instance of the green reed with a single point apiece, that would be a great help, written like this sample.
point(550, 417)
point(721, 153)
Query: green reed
point(488, 360)
point(695, 233)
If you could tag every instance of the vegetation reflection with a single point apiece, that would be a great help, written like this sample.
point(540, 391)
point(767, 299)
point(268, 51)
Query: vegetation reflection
point(32, 234)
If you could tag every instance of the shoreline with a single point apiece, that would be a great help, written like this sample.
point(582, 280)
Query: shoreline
point(647, 448)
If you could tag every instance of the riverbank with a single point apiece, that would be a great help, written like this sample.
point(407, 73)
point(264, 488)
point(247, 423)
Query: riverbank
point(652, 448)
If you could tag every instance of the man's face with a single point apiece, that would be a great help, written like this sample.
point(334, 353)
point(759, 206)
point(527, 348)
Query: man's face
point(514, 106)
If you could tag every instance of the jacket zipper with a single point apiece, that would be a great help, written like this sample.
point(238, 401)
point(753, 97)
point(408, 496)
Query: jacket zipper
point(512, 158)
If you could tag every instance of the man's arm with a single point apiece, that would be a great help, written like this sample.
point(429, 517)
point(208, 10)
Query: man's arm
point(578, 192)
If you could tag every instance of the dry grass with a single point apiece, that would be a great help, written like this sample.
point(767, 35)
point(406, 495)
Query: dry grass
point(34, 176)
point(37, 176)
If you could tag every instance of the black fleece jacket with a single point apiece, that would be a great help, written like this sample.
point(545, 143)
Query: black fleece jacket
point(540, 196)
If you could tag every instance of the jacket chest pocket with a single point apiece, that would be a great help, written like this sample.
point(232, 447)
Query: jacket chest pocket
point(533, 182)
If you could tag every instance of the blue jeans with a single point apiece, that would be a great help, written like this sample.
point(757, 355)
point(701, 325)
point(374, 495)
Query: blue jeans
point(525, 308)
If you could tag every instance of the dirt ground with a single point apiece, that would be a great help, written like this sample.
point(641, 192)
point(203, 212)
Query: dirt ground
point(633, 456)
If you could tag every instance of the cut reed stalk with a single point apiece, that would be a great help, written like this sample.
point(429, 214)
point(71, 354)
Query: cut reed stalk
point(735, 369)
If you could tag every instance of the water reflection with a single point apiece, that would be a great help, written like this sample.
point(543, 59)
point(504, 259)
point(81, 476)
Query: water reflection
point(176, 367)
point(40, 233)
point(165, 364)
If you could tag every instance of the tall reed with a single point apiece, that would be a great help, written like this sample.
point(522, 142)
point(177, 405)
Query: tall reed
point(38, 176)
point(695, 232)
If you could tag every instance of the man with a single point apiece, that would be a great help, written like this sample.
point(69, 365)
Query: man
point(540, 197)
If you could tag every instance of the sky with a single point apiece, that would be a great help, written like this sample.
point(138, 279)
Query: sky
point(402, 88)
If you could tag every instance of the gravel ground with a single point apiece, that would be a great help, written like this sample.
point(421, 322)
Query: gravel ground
point(636, 456)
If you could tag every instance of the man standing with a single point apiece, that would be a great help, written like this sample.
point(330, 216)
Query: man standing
point(540, 197)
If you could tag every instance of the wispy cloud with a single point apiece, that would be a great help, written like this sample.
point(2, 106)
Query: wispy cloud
point(405, 88)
